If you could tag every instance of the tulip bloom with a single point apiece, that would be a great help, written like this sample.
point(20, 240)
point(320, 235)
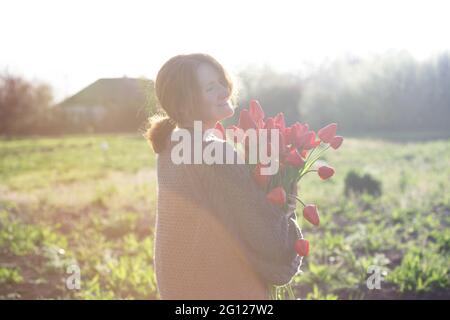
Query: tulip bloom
point(294, 159)
point(277, 196)
point(310, 141)
point(282, 143)
point(221, 129)
point(311, 214)
point(302, 247)
point(304, 153)
point(257, 113)
point(298, 134)
point(328, 132)
point(288, 135)
point(325, 172)
point(246, 121)
point(279, 122)
point(270, 123)
point(336, 142)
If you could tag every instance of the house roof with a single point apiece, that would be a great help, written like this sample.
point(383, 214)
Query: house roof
point(112, 91)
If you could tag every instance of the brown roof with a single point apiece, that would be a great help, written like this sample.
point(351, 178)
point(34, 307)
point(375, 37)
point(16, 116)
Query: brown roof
point(112, 91)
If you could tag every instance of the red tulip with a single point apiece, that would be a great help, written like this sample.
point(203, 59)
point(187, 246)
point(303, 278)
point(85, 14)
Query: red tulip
point(294, 158)
point(256, 112)
point(261, 180)
point(220, 127)
point(270, 123)
point(328, 132)
point(297, 134)
point(246, 121)
point(282, 143)
point(336, 142)
point(325, 172)
point(288, 135)
point(279, 121)
point(311, 214)
point(302, 138)
point(277, 196)
point(310, 141)
point(302, 247)
point(260, 124)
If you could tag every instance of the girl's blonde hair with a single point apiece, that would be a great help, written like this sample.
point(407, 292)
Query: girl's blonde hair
point(178, 94)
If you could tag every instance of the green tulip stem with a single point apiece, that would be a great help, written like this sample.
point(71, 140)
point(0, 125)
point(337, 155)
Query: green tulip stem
point(292, 196)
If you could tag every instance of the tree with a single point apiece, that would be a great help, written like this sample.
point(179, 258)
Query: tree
point(23, 104)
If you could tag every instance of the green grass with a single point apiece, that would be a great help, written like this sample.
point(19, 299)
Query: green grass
point(81, 200)
point(90, 201)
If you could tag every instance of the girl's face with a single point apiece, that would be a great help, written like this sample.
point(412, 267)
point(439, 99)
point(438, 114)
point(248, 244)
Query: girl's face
point(215, 95)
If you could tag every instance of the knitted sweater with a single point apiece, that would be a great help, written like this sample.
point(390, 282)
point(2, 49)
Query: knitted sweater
point(216, 235)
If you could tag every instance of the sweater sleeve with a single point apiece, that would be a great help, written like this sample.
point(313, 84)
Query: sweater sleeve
point(266, 232)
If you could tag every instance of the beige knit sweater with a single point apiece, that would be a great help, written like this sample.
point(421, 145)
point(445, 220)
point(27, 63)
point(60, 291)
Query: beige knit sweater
point(216, 236)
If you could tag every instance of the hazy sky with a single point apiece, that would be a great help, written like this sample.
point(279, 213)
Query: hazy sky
point(72, 43)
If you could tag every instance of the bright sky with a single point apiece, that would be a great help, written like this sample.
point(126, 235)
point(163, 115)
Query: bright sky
point(73, 43)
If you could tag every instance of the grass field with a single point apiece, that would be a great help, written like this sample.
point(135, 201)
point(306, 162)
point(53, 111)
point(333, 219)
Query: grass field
point(90, 201)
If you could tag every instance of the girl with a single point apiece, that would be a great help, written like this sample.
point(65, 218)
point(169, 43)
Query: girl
point(216, 236)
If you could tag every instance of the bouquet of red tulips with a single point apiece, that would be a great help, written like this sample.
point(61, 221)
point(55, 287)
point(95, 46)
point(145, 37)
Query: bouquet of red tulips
point(299, 148)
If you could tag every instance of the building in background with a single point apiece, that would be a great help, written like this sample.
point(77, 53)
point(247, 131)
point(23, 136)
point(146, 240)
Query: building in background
point(109, 105)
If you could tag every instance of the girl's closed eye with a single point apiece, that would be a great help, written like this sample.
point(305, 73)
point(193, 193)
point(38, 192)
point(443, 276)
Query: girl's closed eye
point(209, 89)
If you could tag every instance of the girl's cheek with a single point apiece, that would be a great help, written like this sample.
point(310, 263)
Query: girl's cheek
point(211, 98)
